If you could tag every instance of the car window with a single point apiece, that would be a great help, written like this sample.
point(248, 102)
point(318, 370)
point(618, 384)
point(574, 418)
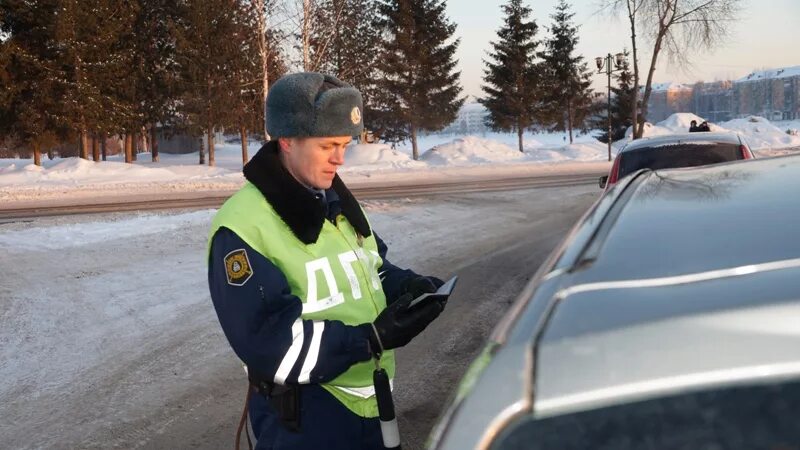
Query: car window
point(678, 155)
point(733, 418)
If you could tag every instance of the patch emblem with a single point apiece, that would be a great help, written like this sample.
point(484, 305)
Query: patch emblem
point(355, 115)
point(237, 267)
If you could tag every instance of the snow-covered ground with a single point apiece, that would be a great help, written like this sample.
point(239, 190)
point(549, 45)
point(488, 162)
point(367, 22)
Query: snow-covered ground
point(442, 157)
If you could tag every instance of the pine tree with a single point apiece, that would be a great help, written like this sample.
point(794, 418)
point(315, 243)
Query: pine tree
point(29, 105)
point(568, 80)
point(247, 113)
point(419, 89)
point(209, 45)
point(154, 68)
point(345, 43)
point(513, 97)
point(93, 64)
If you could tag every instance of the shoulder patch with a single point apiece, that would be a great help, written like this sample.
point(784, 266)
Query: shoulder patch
point(237, 267)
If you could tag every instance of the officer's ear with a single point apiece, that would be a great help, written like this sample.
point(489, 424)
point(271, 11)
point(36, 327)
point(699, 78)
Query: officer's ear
point(285, 145)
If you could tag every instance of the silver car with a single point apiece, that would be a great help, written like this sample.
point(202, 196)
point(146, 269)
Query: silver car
point(669, 318)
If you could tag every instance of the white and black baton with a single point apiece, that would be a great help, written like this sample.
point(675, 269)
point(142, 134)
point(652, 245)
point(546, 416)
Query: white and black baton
point(383, 394)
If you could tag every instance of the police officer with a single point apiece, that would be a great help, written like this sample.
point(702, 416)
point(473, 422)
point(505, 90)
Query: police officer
point(300, 281)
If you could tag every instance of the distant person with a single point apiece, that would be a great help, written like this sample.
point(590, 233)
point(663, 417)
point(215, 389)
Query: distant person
point(300, 281)
point(693, 127)
point(704, 127)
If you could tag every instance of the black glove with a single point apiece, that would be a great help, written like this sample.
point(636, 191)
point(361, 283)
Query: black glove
point(396, 325)
point(419, 285)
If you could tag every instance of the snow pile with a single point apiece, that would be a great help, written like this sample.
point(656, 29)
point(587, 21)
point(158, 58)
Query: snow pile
point(680, 122)
point(379, 156)
point(471, 150)
point(588, 151)
point(761, 134)
point(676, 123)
point(74, 171)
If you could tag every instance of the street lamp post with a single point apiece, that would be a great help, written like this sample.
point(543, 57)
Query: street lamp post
point(611, 65)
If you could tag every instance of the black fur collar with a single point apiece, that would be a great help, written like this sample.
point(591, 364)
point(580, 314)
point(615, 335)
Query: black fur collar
point(295, 204)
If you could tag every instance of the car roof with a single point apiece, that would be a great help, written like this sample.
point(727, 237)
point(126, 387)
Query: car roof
point(675, 221)
point(694, 282)
point(679, 138)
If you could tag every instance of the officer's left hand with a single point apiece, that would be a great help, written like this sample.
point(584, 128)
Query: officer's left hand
point(421, 285)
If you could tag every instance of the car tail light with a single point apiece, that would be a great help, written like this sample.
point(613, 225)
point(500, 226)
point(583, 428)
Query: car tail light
point(613, 177)
point(746, 153)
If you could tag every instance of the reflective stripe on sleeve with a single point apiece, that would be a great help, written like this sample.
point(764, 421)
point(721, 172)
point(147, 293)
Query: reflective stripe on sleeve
point(313, 353)
point(292, 354)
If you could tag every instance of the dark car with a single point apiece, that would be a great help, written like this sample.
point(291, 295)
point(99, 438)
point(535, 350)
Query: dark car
point(669, 318)
point(676, 150)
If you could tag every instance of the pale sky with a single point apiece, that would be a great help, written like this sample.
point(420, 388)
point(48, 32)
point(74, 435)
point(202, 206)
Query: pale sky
point(767, 36)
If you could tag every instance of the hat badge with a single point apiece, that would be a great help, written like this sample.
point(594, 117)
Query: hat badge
point(355, 115)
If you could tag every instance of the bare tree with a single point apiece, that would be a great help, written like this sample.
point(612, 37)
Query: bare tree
point(259, 10)
point(677, 27)
point(323, 30)
point(633, 7)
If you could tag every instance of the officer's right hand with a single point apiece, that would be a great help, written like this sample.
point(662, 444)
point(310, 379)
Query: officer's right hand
point(396, 325)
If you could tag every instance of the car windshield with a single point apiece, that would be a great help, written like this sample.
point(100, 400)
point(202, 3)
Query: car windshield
point(677, 155)
point(735, 418)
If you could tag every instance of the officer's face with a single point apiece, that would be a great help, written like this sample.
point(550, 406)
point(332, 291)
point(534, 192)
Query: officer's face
point(313, 161)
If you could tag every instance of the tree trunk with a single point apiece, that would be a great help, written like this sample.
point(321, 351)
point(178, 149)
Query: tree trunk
point(414, 148)
point(519, 136)
point(210, 138)
point(649, 86)
point(261, 24)
point(243, 134)
point(134, 146)
point(569, 120)
point(103, 152)
point(154, 142)
point(128, 145)
point(95, 148)
point(37, 153)
point(84, 144)
point(306, 32)
point(202, 152)
point(50, 154)
point(635, 101)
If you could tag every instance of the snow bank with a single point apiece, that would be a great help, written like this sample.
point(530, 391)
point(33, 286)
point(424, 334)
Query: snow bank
point(489, 155)
point(471, 150)
point(75, 171)
point(378, 156)
point(680, 122)
point(761, 134)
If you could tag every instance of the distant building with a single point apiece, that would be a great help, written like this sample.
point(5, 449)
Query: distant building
point(667, 99)
point(471, 120)
point(774, 94)
point(714, 101)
